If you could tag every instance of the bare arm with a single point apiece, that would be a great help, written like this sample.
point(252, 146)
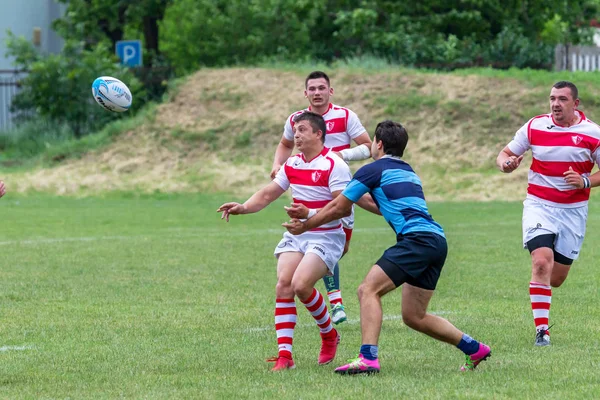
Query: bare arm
point(257, 202)
point(282, 153)
point(508, 161)
point(300, 211)
point(340, 207)
point(366, 202)
point(363, 138)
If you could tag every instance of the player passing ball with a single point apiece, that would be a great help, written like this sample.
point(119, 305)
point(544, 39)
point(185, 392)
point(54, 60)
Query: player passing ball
point(343, 128)
point(414, 262)
point(315, 176)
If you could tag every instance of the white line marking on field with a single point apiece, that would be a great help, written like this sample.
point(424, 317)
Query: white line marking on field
point(225, 232)
point(350, 322)
point(15, 348)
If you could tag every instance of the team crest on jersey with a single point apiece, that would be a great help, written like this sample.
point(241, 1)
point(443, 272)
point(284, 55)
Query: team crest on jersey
point(576, 139)
point(315, 176)
point(330, 125)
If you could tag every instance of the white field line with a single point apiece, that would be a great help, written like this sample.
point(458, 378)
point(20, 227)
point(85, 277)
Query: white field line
point(15, 348)
point(204, 233)
point(350, 322)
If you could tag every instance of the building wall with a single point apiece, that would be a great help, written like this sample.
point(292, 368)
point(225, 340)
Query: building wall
point(22, 16)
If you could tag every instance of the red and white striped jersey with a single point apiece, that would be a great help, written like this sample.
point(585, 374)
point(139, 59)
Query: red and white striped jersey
point(555, 148)
point(343, 126)
point(313, 181)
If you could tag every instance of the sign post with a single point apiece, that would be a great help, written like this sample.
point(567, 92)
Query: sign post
point(129, 52)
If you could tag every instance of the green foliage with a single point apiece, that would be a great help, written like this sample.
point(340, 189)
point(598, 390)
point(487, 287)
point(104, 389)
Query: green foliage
point(215, 33)
point(58, 86)
point(429, 33)
point(31, 139)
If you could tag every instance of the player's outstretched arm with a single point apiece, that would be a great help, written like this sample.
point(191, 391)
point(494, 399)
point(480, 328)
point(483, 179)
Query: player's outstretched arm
point(282, 153)
point(2, 189)
point(508, 161)
point(366, 202)
point(336, 209)
point(257, 202)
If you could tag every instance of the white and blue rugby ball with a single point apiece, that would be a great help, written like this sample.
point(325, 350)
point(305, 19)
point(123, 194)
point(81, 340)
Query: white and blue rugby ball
point(112, 94)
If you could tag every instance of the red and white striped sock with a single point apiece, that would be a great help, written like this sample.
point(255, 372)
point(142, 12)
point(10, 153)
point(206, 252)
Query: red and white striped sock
point(335, 297)
point(541, 297)
point(285, 322)
point(318, 309)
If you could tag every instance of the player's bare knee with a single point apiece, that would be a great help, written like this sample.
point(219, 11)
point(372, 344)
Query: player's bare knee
point(412, 320)
point(541, 266)
point(364, 290)
point(283, 289)
point(301, 289)
point(557, 281)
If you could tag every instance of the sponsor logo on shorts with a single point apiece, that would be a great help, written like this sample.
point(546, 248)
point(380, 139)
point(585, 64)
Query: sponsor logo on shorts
point(284, 244)
point(574, 252)
point(533, 228)
point(319, 249)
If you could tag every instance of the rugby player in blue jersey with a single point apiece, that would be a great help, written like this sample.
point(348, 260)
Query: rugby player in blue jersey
point(414, 262)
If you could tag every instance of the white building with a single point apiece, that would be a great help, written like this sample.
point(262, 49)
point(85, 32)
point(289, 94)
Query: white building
point(33, 20)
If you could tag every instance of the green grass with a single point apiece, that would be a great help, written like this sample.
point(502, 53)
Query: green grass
point(45, 143)
point(156, 297)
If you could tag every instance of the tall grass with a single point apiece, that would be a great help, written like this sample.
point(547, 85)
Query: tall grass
point(31, 139)
point(43, 140)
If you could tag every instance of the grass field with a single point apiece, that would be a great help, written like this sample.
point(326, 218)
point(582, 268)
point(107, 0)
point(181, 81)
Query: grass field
point(156, 297)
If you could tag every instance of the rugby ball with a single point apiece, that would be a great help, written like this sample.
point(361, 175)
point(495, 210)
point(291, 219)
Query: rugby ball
point(112, 94)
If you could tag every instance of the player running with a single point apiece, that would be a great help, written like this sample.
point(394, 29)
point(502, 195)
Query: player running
point(343, 127)
point(414, 262)
point(316, 176)
point(565, 146)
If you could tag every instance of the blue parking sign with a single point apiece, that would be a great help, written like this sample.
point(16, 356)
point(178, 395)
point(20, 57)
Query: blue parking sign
point(130, 52)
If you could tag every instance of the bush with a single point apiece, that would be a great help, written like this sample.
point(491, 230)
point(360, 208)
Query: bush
point(57, 87)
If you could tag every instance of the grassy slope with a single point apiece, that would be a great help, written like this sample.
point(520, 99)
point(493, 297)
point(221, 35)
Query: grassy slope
point(220, 129)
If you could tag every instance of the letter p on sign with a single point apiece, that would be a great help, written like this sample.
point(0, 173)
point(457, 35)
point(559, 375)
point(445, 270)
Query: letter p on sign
point(129, 52)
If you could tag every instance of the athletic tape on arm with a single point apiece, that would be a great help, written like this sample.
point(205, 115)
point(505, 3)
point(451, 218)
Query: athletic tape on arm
point(361, 152)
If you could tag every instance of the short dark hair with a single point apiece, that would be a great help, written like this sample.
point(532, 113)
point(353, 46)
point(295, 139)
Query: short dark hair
point(315, 120)
point(393, 136)
point(316, 75)
point(570, 85)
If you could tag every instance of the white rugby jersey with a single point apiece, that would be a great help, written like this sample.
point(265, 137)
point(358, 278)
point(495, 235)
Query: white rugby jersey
point(555, 148)
point(342, 124)
point(313, 181)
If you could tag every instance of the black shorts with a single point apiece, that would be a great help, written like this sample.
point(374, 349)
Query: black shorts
point(416, 259)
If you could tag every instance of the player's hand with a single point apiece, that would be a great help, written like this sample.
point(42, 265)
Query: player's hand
point(295, 226)
point(296, 210)
point(511, 163)
point(275, 170)
point(2, 189)
point(574, 178)
point(231, 209)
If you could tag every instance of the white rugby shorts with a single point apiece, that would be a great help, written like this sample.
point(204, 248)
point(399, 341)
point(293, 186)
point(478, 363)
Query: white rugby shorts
point(329, 245)
point(568, 224)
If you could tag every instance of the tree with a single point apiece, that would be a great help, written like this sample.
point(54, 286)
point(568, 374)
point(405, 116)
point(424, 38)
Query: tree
point(95, 21)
